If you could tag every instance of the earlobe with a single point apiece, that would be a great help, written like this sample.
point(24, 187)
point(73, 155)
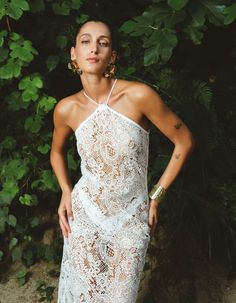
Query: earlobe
point(72, 53)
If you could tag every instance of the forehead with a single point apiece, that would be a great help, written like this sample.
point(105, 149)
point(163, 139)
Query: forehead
point(95, 29)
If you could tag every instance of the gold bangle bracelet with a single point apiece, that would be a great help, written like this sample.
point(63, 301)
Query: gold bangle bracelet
point(157, 193)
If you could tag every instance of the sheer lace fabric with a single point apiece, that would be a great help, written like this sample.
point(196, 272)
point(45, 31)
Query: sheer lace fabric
point(104, 256)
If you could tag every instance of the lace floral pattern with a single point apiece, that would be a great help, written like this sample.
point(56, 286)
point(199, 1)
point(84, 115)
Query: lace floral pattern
point(104, 255)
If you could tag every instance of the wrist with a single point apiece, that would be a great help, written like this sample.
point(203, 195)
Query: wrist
point(157, 193)
point(67, 190)
point(154, 203)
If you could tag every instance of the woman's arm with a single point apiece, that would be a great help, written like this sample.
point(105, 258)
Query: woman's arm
point(59, 163)
point(152, 106)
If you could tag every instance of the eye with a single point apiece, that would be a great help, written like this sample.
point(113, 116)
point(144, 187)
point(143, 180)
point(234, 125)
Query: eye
point(85, 41)
point(104, 43)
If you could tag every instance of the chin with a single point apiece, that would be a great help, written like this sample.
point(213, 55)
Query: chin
point(93, 71)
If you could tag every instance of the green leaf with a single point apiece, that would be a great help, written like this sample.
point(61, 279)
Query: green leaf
point(3, 218)
point(142, 25)
point(44, 149)
point(28, 200)
point(12, 220)
point(14, 169)
point(22, 50)
point(47, 176)
point(61, 41)
point(52, 62)
point(202, 93)
point(2, 225)
point(3, 34)
point(47, 180)
point(8, 192)
point(14, 36)
point(177, 4)
point(2, 9)
point(47, 103)
point(16, 254)
point(15, 8)
point(8, 143)
point(82, 18)
point(164, 15)
point(29, 95)
point(21, 273)
point(230, 13)
point(37, 82)
point(33, 124)
point(159, 46)
point(11, 70)
point(48, 255)
point(61, 9)
point(3, 54)
point(215, 12)
point(30, 86)
point(21, 281)
point(15, 102)
point(34, 221)
point(75, 4)
point(195, 33)
point(37, 6)
point(13, 243)
point(72, 164)
point(198, 13)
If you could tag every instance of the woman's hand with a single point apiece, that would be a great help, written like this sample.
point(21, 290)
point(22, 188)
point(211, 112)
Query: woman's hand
point(65, 212)
point(153, 216)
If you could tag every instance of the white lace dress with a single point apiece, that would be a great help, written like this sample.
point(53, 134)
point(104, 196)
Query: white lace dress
point(104, 256)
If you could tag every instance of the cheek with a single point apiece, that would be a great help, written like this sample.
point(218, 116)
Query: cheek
point(80, 53)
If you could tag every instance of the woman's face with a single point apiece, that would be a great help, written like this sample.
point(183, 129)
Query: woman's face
point(93, 49)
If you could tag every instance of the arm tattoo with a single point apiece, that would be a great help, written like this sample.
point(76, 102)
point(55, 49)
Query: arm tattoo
point(177, 156)
point(178, 125)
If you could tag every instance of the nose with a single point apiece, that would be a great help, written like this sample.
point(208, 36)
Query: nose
point(94, 48)
point(94, 51)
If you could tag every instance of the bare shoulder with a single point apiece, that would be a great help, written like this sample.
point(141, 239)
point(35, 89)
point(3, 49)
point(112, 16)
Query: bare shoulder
point(65, 105)
point(65, 109)
point(141, 94)
point(138, 88)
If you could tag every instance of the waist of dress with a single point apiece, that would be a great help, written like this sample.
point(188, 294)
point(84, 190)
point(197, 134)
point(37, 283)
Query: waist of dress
point(113, 187)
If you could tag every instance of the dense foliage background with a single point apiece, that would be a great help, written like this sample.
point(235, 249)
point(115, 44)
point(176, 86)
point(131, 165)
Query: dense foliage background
point(186, 50)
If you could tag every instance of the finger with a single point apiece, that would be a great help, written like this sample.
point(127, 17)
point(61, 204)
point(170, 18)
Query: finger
point(64, 231)
point(153, 226)
point(150, 220)
point(65, 221)
point(155, 220)
point(70, 213)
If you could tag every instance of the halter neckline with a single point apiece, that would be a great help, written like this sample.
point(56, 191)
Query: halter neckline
point(108, 97)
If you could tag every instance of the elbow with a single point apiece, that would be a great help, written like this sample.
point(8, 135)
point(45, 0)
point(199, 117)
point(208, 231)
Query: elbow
point(190, 144)
point(52, 157)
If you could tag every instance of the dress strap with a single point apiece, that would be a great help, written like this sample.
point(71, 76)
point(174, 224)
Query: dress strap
point(108, 97)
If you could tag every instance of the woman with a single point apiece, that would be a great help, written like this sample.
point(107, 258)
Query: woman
point(107, 219)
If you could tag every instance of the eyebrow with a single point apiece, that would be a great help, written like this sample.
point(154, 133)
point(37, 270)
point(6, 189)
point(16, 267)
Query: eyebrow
point(102, 36)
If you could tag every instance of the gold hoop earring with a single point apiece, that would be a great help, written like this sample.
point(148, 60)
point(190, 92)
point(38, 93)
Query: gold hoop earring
point(110, 71)
point(74, 67)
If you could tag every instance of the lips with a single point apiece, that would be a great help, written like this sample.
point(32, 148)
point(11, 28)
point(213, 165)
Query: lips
point(92, 60)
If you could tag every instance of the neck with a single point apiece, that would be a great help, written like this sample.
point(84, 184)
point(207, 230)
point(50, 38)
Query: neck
point(96, 87)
